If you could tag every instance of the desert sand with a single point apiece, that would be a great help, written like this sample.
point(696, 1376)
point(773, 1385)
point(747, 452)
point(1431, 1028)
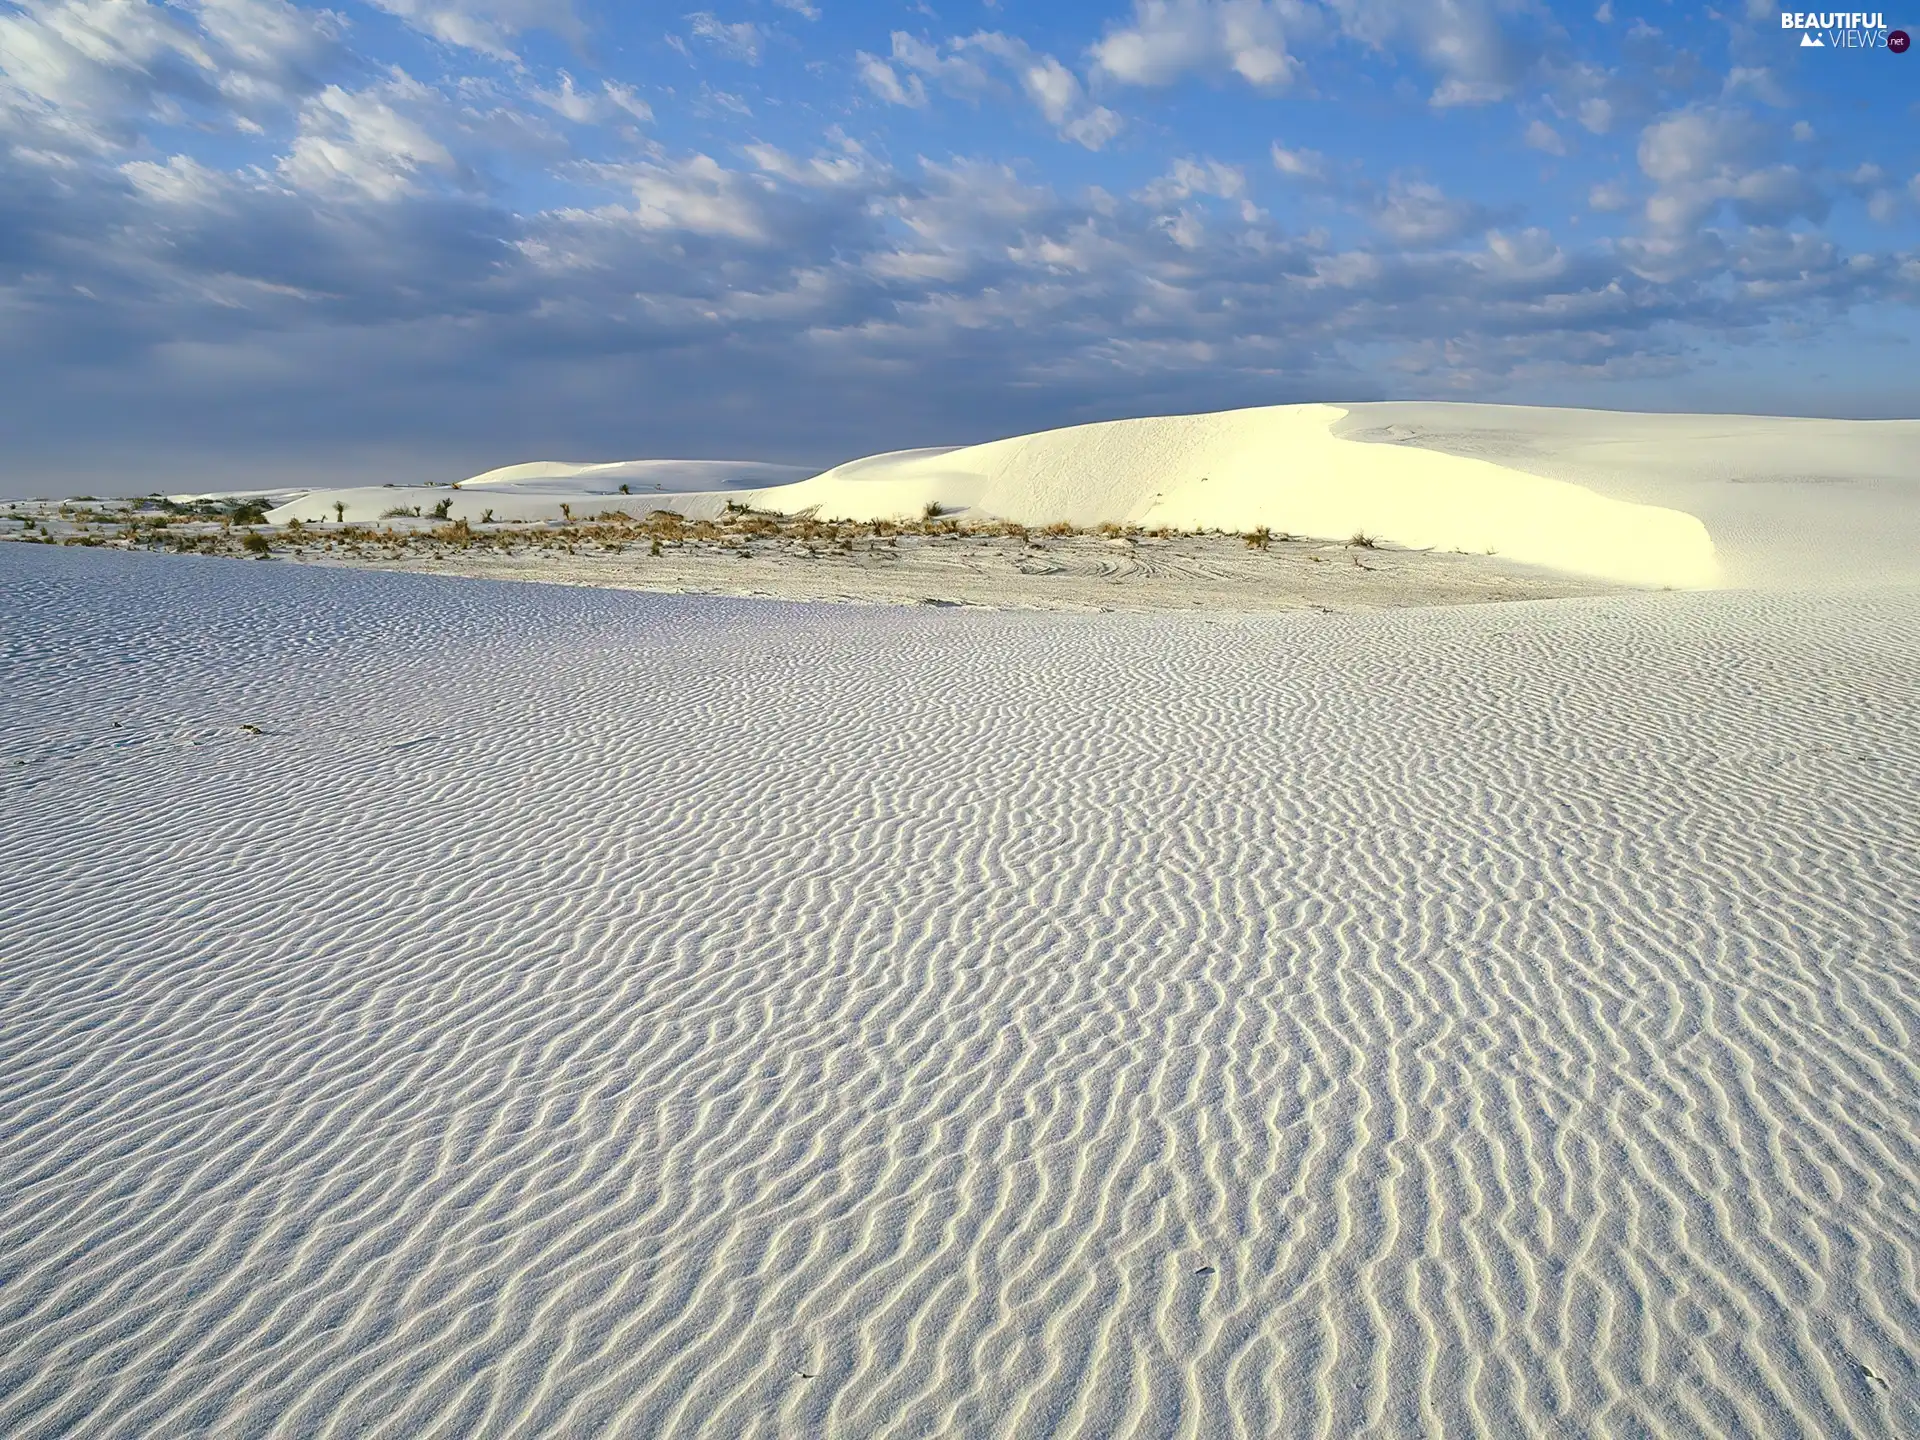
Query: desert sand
point(448, 1007)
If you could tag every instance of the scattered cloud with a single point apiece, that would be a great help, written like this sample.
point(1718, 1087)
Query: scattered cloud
point(968, 66)
point(1415, 212)
point(594, 105)
point(489, 27)
point(1298, 164)
point(1167, 39)
point(228, 188)
point(1541, 136)
point(365, 141)
point(887, 83)
point(739, 40)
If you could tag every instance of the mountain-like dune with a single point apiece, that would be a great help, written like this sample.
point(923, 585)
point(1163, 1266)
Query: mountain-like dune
point(1683, 501)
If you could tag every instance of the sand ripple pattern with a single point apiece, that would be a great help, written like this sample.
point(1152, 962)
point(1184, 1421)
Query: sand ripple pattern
point(590, 1013)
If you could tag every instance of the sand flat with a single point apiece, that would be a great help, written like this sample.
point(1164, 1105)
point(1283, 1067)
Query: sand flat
point(1085, 572)
point(469, 1008)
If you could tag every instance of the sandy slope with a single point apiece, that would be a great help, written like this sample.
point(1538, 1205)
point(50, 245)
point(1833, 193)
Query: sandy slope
point(1659, 500)
point(1278, 466)
point(582, 1013)
point(1791, 504)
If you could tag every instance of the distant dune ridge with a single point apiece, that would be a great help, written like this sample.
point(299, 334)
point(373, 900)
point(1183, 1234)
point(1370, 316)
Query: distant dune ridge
point(447, 1008)
point(1639, 499)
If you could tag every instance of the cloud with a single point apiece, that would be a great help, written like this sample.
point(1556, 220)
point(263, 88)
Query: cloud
point(847, 164)
point(1055, 90)
point(1706, 155)
point(1541, 136)
point(363, 141)
point(85, 76)
point(1481, 49)
point(487, 26)
point(1299, 164)
point(1609, 197)
point(179, 180)
point(609, 101)
point(884, 81)
point(740, 40)
point(1193, 177)
point(1415, 212)
point(967, 66)
point(697, 195)
point(1168, 39)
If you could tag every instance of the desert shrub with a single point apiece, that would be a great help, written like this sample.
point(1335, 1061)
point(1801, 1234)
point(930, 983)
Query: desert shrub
point(1258, 539)
point(933, 510)
point(440, 510)
point(487, 518)
point(339, 512)
point(248, 512)
point(1363, 541)
point(401, 512)
point(254, 543)
point(566, 512)
point(625, 489)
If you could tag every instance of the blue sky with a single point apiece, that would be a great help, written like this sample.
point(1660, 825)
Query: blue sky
point(249, 240)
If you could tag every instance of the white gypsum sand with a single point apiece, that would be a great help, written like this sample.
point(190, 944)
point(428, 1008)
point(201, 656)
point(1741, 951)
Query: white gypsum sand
point(1279, 467)
point(451, 1008)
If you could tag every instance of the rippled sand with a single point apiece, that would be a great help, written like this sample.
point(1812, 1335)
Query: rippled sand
point(443, 1008)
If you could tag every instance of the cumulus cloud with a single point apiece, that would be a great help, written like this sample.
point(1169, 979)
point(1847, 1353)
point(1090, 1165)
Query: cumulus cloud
point(1609, 196)
point(1541, 136)
point(1480, 49)
point(1196, 177)
point(593, 105)
point(86, 75)
point(698, 195)
point(178, 180)
point(1298, 164)
point(365, 141)
point(968, 65)
point(1167, 39)
point(887, 83)
point(1704, 156)
point(488, 26)
point(1415, 212)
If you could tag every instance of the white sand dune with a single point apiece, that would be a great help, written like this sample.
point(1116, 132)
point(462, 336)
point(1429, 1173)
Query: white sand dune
point(447, 1008)
point(1790, 504)
point(1639, 499)
point(537, 490)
